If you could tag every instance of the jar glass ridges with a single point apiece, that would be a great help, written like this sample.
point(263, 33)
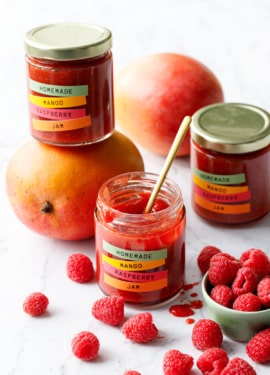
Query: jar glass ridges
point(140, 256)
point(230, 162)
point(70, 83)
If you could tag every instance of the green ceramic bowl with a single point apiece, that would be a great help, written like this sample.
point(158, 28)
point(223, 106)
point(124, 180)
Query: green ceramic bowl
point(238, 325)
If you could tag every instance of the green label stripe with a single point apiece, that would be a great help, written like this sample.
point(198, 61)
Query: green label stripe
point(134, 255)
point(220, 179)
point(54, 90)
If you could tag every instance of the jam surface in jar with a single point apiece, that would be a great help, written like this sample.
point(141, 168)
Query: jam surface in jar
point(140, 256)
point(70, 83)
point(230, 161)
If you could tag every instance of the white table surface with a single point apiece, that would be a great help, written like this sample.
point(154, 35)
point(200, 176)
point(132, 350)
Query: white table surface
point(232, 39)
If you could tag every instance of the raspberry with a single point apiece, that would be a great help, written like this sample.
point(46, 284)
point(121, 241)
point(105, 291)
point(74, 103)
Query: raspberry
point(247, 302)
point(238, 366)
point(245, 281)
point(223, 268)
point(80, 268)
point(35, 304)
point(257, 260)
point(109, 310)
point(177, 363)
point(263, 291)
point(132, 372)
point(204, 257)
point(258, 348)
point(206, 334)
point(223, 295)
point(85, 346)
point(212, 361)
point(140, 328)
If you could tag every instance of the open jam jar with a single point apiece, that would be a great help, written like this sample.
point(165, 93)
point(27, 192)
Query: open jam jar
point(70, 83)
point(230, 162)
point(140, 256)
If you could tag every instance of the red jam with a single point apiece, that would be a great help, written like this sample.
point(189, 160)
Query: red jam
point(230, 161)
point(70, 83)
point(140, 256)
point(182, 310)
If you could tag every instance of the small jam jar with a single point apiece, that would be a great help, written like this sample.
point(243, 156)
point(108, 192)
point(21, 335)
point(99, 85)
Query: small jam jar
point(70, 83)
point(230, 162)
point(140, 256)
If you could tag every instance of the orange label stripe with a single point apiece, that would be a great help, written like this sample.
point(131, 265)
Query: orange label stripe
point(54, 126)
point(138, 287)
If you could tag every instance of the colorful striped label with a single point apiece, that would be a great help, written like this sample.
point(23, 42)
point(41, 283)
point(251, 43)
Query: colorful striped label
point(56, 108)
point(224, 194)
point(135, 271)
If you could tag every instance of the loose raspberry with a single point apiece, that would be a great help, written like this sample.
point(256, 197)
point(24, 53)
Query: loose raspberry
point(109, 310)
point(257, 260)
point(204, 257)
point(258, 348)
point(247, 302)
point(140, 328)
point(223, 295)
point(238, 366)
point(132, 372)
point(245, 281)
point(80, 268)
point(212, 361)
point(263, 291)
point(177, 363)
point(206, 334)
point(35, 304)
point(223, 268)
point(85, 346)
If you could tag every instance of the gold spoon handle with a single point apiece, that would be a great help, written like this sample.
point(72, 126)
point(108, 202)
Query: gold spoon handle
point(183, 128)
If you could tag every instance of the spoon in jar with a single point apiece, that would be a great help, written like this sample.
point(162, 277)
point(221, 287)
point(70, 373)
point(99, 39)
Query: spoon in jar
point(183, 128)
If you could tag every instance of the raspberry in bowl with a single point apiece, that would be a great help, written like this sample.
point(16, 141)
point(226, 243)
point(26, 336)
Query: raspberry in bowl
point(231, 311)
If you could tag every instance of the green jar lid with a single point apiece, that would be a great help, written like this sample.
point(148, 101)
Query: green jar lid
point(231, 128)
point(67, 41)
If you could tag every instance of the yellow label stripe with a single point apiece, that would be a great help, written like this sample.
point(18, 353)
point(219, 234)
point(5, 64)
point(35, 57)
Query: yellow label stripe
point(133, 266)
point(222, 208)
point(219, 189)
point(135, 287)
point(57, 102)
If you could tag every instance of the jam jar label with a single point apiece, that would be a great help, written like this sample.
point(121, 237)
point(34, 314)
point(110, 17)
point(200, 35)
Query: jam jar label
point(62, 108)
point(224, 194)
point(134, 271)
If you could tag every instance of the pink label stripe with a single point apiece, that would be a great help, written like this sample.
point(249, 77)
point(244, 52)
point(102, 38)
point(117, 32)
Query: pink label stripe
point(57, 114)
point(224, 198)
point(141, 277)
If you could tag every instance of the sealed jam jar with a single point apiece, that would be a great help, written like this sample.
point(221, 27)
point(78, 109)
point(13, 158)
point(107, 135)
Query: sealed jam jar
point(140, 256)
point(230, 162)
point(70, 83)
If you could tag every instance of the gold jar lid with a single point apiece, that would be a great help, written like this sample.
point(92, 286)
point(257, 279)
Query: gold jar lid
point(231, 128)
point(68, 41)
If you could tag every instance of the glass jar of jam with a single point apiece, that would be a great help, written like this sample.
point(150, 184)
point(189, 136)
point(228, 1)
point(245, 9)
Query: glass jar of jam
point(70, 83)
point(140, 256)
point(230, 162)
